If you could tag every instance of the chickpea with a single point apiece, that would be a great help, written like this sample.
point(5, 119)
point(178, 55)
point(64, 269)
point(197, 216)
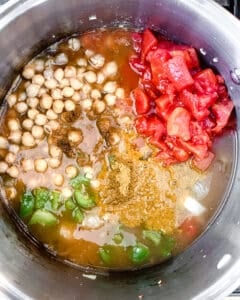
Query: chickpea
point(15, 136)
point(40, 165)
point(32, 113)
point(46, 101)
point(40, 119)
point(99, 106)
point(13, 171)
point(32, 102)
point(89, 53)
point(70, 72)
point(58, 179)
point(71, 171)
point(76, 97)
point(27, 164)
point(69, 105)
point(56, 94)
point(37, 132)
point(74, 44)
point(21, 107)
point(13, 124)
point(86, 89)
point(64, 83)
point(11, 192)
point(27, 124)
point(28, 140)
point(52, 125)
point(11, 100)
point(75, 84)
point(90, 76)
point(39, 65)
point(82, 62)
point(50, 83)
point(68, 92)
point(110, 69)
point(3, 143)
point(22, 96)
point(32, 90)
point(95, 184)
point(61, 59)
point(59, 74)
point(10, 158)
point(110, 87)
point(100, 78)
point(86, 104)
point(96, 94)
point(14, 148)
point(97, 61)
point(48, 73)
point(110, 99)
point(67, 192)
point(3, 167)
point(55, 151)
point(58, 106)
point(113, 139)
point(75, 136)
point(28, 72)
point(51, 115)
point(54, 162)
point(38, 79)
point(88, 172)
point(42, 91)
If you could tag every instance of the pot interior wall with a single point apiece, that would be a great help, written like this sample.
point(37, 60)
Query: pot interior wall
point(27, 28)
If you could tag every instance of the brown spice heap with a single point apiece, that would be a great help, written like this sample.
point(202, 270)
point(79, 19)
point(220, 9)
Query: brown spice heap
point(133, 191)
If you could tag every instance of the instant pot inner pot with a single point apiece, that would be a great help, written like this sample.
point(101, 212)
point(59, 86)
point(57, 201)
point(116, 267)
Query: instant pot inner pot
point(27, 28)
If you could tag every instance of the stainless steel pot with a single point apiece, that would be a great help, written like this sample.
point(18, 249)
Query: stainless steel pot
point(210, 268)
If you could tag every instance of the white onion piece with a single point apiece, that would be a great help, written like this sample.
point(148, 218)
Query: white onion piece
point(193, 206)
point(201, 189)
point(92, 222)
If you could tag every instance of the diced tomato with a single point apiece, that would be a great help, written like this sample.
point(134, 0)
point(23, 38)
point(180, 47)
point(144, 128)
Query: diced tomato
point(222, 113)
point(137, 41)
point(190, 228)
point(141, 124)
point(163, 104)
point(142, 101)
point(166, 158)
point(158, 143)
point(206, 81)
point(204, 163)
point(178, 73)
point(189, 55)
point(149, 88)
point(180, 154)
point(136, 65)
point(200, 151)
point(198, 134)
point(178, 123)
point(157, 60)
point(148, 42)
point(191, 101)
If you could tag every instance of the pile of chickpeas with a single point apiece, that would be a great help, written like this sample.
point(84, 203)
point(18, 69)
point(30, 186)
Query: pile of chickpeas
point(53, 86)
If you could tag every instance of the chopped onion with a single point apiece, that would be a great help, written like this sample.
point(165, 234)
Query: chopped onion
point(193, 206)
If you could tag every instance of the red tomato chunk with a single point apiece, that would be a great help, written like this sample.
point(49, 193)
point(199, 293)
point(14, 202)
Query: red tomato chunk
point(180, 106)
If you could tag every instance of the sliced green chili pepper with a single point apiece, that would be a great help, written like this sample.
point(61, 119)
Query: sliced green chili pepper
point(117, 238)
point(77, 215)
point(153, 236)
point(105, 255)
point(84, 200)
point(42, 196)
point(139, 253)
point(77, 181)
point(69, 204)
point(43, 217)
point(167, 246)
point(55, 199)
point(27, 204)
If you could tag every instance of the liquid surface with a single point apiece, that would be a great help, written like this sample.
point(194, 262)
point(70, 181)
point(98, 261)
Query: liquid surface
point(93, 191)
